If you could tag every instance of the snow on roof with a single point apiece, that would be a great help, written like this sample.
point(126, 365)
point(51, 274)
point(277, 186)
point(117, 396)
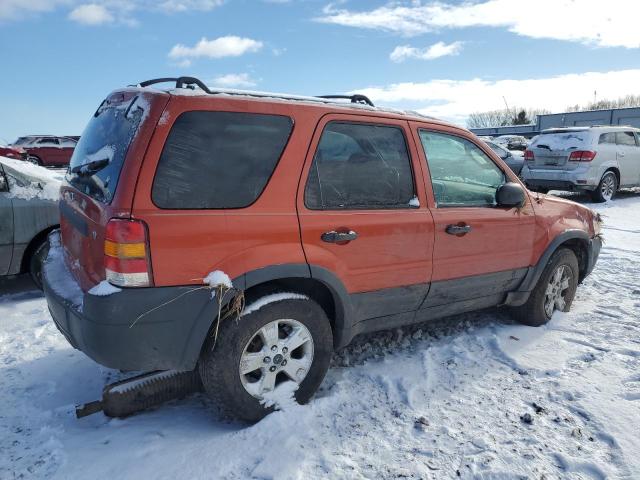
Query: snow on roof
point(32, 181)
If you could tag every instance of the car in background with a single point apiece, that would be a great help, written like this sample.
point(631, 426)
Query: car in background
point(48, 150)
point(598, 160)
point(514, 159)
point(12, 151)
point(512, 142)
point(28, 212)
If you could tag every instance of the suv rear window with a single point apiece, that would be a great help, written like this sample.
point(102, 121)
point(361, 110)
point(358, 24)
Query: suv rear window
point(563, 141)
point(219, 159)
point(99, 154)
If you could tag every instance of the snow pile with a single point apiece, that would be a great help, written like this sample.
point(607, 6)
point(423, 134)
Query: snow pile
point(562, 141)
point(217, 279)
point(104, 289)
point(282, 397)
point(414, 202)
point(274, 297)
point(58, 275)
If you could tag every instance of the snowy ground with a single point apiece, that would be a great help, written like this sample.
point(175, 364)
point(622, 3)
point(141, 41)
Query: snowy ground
point(439, 401)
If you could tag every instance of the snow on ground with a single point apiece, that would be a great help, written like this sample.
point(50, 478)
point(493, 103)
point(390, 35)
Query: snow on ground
point(474, 397)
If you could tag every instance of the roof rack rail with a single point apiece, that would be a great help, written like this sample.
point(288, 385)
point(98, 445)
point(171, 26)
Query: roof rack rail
point(357, 98)
point(181, 82)
point(192, 82)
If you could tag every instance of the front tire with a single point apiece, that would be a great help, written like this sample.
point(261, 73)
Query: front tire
point(36, 261)
point(286, 341)
point(606, 188)
point(555, 290)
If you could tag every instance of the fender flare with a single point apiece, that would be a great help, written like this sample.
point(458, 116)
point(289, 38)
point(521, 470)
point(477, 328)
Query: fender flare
point(521, 295)
point(342, 324)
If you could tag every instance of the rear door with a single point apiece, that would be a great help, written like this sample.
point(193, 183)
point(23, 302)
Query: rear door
point(6, 225)
point(628, 158)
point(481, 250)
point(363, 216)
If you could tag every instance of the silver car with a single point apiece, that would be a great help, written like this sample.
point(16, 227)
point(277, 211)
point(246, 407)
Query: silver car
point(598, 160)
point(28, 212)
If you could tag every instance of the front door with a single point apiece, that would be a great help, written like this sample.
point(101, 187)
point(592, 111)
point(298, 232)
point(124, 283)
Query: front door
point(481, 250)
point(6, 225)
point(363, 215)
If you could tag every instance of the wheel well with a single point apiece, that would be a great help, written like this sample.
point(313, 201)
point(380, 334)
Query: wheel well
point(312, 288)
point(33, 245)
point(581, 250)
point(614, 170)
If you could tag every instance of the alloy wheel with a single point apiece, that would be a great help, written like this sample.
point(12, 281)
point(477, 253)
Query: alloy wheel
point(281, 351)
point(608, 186)
point(555, 294)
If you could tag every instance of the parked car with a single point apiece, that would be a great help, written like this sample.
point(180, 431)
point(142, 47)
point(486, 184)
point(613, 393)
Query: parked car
point(514, 158)
point(47, 150)
point(356, 220)
point(28, 212)
point(512, 142)
point(598, 160)
point(17, 153)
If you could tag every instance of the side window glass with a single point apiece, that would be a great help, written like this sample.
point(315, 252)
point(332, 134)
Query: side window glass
point(625, 138)
point(607, 138)
point(461, 173)
point(360, 166)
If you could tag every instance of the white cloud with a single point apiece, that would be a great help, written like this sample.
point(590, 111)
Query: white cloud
point(15, 9)
point(454, 100)
point(437, 50)
point(610, 24)
point(229, 46)
point(91, 14)
point(238, 80)
point(187, 5)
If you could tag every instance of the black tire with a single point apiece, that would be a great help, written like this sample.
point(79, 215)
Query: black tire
point(533, 312)
point(34, 159)
point(36, 260)
point(219, 366)
point(606, 188)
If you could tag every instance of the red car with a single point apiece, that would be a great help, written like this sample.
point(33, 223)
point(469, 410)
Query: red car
point(48, 151)
point(17, 153)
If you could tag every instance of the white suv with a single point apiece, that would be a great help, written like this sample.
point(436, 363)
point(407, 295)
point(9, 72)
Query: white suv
point(596, 159)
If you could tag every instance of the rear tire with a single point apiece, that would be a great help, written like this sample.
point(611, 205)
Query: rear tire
point(606, 189)
point(36, 261)
point(246, 340)
point(555, 290)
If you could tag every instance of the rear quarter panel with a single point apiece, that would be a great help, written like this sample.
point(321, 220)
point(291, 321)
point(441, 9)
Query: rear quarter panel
point(188, 244)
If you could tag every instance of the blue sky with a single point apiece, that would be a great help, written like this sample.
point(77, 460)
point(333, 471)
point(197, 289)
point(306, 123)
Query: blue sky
point(447, 59)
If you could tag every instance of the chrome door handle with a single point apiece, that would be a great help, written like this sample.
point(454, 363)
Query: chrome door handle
point(337, 237)
point(459, 229)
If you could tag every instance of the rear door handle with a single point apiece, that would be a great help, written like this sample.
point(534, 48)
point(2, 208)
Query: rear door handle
point(459, 229)
point(337, 237)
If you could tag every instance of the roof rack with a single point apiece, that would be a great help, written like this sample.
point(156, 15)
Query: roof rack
point(192, 82)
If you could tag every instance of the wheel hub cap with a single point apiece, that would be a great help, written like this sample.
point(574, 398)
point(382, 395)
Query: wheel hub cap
point(281, 351)
point(558, 285)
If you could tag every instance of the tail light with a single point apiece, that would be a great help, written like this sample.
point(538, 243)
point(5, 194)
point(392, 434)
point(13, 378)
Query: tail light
point(126, 253)
point(528, 156)
point(582, 156)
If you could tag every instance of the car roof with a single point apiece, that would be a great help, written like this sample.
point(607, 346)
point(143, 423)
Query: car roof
point(185, 86)
point(597, 128)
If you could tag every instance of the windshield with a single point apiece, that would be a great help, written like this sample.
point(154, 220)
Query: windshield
point(99, 155)
point(562, 141)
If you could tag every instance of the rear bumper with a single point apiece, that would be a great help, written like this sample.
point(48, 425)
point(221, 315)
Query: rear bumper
point(108, 328)
point(577, 179)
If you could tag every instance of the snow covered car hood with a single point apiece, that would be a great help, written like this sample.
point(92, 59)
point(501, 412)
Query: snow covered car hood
point(27, 180)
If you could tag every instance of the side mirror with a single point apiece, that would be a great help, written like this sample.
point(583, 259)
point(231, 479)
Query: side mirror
point(510, 195)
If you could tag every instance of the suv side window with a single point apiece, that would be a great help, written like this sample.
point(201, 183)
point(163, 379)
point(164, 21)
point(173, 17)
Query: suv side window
point(48, 141)
point(360, 166)
point(607, 138)
point(215, 160)
point(462, 175)
point(626, 138)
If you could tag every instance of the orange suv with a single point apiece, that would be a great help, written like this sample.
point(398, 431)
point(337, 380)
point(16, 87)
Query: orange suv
point(250, 235)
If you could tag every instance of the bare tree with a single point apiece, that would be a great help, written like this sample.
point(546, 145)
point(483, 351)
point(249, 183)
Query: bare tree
point(504, 117)
point(606, 104)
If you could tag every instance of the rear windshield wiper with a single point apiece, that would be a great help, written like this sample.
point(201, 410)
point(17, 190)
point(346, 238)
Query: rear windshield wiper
point(88, 169)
